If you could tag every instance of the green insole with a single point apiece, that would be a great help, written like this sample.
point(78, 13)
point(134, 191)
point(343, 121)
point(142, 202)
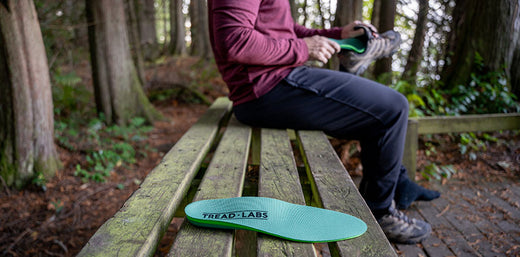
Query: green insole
point(352, 44)
point(275, 217)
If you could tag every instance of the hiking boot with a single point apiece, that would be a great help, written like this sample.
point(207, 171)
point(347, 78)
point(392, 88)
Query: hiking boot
point(401, 229)
point(384, 45)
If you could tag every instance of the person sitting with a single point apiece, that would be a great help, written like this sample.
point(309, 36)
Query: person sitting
point(261, 53)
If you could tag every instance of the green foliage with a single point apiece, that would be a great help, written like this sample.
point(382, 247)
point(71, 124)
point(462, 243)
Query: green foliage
point(487, 92)
point(434, 171)
point(470, 143)
point(105, 147)
point(58, 205)
point(40, 181)
point(70, 97)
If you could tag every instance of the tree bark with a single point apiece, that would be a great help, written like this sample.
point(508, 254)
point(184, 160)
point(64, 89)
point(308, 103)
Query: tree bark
point(177, 28)
point(348, 11)
point(199, 29)
point(135, 43)
point(376, 10)
point(483, 27)
point(27, 124)
point(117, 89)
point(515, 75)
point(416, 52)
point(294, 9)
point(386, 22)
point(145, 11)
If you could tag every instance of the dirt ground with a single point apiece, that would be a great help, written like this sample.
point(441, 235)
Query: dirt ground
point(61, 219)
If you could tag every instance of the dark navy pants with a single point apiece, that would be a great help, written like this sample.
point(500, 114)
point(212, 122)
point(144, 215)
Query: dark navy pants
point(343, 106)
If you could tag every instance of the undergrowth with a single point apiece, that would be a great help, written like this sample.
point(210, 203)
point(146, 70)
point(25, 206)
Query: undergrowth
point(79, 129)
point(487, 92)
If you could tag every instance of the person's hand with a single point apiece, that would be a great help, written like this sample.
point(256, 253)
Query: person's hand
point(349, 30)
point(321, 48)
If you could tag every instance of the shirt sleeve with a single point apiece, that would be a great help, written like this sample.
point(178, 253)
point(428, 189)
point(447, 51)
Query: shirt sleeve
point(302, 31)
point(238, 41)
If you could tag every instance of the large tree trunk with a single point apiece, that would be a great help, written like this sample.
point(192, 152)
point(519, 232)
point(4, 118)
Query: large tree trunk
point(483, 27)
point(199, 29)
point(145, 11)
point(26, 109)
point(416, 52)
point(177, 28)
point(294, 9)
point(376, 10)
point(348, 11)
point(135, 43)
point(387, 12)
point(515, 75)
point(117, 88)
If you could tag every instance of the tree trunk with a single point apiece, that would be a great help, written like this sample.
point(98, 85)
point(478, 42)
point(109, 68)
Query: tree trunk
point(386, 22)
point(376, 10)
point(294, 9)
point(416, 52)
point(26, 109)
point(515, 75)
point(348, 11)
point(135, 43)
point(199, 29)
point(483, 27)
point(145, 11)
point(118, 92)
point(177, 28)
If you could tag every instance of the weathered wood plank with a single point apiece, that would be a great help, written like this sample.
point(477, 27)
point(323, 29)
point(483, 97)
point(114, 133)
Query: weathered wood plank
point(336, 191)
point(223, 179)
point(279, 179)
point(462, 220)
point(468, 123)
point(433, 245)
point(410, 148)
point(445, 231)
point(136, 229)
point(492, 221)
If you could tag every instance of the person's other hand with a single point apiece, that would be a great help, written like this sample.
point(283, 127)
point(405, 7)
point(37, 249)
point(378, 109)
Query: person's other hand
point(321, 48)
point(349, 30)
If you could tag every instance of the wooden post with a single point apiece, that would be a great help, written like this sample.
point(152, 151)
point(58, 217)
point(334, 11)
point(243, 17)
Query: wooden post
point(410, 148)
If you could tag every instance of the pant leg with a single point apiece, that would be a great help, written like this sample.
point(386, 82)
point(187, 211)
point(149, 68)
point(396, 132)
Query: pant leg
point(344, 106)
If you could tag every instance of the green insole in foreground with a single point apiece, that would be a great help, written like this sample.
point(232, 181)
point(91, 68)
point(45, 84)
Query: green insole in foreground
point(352, 44)
point(275, 217)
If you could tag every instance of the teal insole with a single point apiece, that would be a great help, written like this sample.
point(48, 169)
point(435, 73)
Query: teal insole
point(352, 44)
point(277, 218)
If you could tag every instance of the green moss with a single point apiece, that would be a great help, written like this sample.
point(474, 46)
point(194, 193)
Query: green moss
point(7, 170)
point(47, 167)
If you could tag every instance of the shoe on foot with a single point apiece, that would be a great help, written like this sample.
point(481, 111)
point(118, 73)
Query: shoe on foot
point(384, 45)
point(401, 229)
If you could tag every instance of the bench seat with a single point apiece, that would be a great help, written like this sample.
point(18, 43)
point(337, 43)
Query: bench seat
point(214, 158)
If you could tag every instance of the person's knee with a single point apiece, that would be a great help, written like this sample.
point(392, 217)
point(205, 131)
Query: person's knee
point(396, 106)
point(401, 104)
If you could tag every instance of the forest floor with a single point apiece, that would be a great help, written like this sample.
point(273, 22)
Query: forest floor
point(58, 221)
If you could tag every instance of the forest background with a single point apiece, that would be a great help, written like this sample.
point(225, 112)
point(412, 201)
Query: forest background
point(87, 86)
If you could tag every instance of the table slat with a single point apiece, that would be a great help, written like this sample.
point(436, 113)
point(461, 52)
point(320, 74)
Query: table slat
point(336, 191)
point(223, 179)
point(279, 179)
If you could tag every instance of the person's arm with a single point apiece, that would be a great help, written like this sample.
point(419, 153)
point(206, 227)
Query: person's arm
point(346, 31)
point(238, 41)
point(302, 31)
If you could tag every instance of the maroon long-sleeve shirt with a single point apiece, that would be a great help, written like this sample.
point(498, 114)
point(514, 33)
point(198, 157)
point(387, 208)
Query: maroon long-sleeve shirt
point(256, 44)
